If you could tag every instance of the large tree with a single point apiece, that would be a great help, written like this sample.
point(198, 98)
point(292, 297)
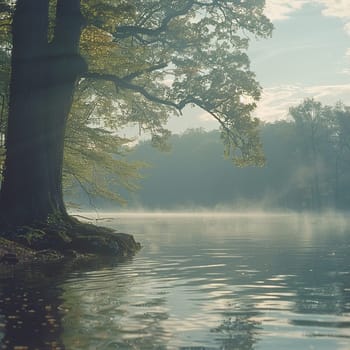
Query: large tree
point(170, 54)
point(41, 89)
point(94, 156)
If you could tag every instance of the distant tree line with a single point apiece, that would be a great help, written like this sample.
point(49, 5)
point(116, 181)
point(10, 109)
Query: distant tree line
point(307, 166)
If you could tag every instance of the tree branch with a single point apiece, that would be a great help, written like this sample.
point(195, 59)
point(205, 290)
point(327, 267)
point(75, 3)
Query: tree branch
point(153, 68)
point(125, 84)
point(127, 31)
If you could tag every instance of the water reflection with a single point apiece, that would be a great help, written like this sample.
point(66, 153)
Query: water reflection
point(198, 283)
point(32, 306)
point(30, 309)
point(240, 332)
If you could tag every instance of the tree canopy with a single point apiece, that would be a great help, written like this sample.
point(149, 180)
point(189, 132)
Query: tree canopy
point(163, 56)
point(146, 61)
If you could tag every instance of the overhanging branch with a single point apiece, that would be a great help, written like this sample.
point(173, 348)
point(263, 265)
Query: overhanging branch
point(125, 84)
point(153, 68)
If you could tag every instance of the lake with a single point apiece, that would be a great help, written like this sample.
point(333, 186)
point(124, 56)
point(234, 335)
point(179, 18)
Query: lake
point(201, 281)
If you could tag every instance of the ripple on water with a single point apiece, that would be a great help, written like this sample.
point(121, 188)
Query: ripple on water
point(244, 286)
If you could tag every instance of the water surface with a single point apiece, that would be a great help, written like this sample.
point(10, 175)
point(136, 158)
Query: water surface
point(200, 282)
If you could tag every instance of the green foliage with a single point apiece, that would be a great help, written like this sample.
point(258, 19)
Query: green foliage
point(94, 155)
point(165, 55)
point(147, 60)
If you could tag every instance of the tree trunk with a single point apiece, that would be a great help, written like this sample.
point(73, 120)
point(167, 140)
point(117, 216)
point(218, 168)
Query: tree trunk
point(42, 84)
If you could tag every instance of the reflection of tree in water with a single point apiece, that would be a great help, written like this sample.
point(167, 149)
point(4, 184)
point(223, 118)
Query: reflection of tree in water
point(237, 332)
point(108, 315)
point(29, 306)
point(323, 285)
point(31, 298)
point(234, 333)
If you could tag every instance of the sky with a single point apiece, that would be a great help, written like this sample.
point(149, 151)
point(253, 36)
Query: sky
point(307, 56)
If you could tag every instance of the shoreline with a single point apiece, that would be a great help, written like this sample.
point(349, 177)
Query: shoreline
point(43, 246)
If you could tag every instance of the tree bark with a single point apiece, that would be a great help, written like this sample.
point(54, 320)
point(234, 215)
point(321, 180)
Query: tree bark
point(42, 84)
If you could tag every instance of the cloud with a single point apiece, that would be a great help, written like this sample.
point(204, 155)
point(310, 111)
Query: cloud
point(330, 93)
point(273, 106)
point(276, 101)
point(347, 28)
point(192, 118)
point(335, 8)
point(279, 10)
point(205, 117)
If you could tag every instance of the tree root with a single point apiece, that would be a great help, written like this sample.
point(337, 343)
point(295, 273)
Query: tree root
point(68, 239)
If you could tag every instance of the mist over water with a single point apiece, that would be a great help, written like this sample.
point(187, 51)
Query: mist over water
point(239, 281)
point(218, 281)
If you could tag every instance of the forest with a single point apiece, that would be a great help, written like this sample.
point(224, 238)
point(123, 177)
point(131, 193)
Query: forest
point(306, 167)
